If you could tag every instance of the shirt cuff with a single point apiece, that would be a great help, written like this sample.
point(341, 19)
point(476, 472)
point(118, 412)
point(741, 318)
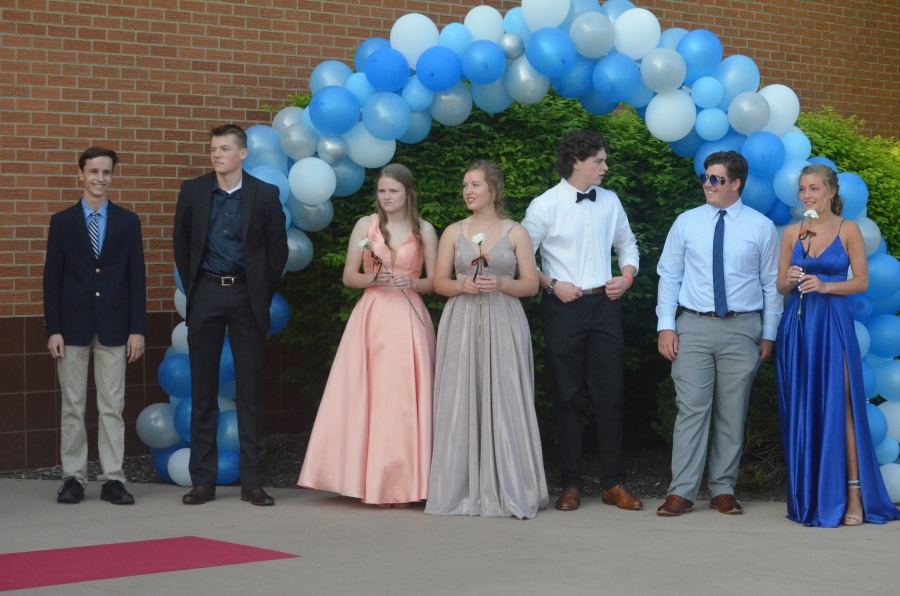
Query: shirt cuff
point(666, 324)
point(769, 332)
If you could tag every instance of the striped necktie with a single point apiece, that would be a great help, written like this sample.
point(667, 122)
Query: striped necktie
point(94, 233)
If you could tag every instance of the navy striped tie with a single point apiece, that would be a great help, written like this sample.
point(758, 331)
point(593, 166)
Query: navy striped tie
point(719, 266)
point(94, 233)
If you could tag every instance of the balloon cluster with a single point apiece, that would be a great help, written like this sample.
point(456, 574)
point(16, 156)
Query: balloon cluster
point(166, 427)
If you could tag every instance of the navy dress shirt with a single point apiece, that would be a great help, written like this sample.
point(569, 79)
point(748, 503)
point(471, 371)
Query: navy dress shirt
point(224, 252)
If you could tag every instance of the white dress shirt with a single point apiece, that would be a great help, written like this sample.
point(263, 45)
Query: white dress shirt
point(751, 265)
point(576, 239)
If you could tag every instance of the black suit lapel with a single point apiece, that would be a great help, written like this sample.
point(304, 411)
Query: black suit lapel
point(248, 196)
point(204, 203)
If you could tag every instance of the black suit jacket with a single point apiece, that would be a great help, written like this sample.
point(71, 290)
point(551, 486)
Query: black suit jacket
point(83, 295)
point(263, 232)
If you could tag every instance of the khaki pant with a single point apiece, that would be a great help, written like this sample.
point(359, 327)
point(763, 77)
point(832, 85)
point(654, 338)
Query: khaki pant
point(109, 377)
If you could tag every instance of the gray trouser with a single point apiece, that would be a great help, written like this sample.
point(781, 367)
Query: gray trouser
point(713, 372)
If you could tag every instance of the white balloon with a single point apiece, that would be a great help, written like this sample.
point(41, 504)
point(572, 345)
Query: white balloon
point(312, 181)
point(748, 112)
point(784, 108)
point(637, 32)
point(485, 22)
point(891, 411)
point(544, 13)
point(181, 303)
point(453, 106)
point(890, 473)
point(663, 70)
point(862, 336)
point(871, 234)
point(178, 467)
point(670, 116)
point(180, 338)
point(412, 34)
point(286, 117)
point(526, 85)
point(593, 34)
point(367, 151)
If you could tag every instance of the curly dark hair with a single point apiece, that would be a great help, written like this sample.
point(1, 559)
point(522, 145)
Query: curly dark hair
point(734, 163)
point(578, 145)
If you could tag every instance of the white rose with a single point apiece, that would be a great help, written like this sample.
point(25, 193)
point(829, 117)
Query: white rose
point(478, 238)
point(811, 214)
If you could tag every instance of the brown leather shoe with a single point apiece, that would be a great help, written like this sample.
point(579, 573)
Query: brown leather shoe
point(675, 506)
point(257, 497)
point(726, 504)
point(199, 495)
point(569, 500)
point(621, 498)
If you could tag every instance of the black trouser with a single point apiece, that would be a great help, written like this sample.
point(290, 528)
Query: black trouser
point(214, 306)
point(585, 353)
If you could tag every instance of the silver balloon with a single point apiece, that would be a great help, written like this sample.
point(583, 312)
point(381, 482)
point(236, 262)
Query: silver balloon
point(286, 117)
point(181, 303)
point(311, 218)
point(331, 149)
point(526, 85)
point(453, 106)
point(299, 141)
point(512, 45)
point(593, 34)
point(870, 233)
point(748, 113)
point(797, 211)
point(300, 250)
point(663, 70)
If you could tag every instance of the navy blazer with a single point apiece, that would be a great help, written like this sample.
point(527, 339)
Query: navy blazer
point(84, 295)
point(262, 231)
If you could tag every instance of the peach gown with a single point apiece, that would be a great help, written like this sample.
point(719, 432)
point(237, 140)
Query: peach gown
point(372, 435)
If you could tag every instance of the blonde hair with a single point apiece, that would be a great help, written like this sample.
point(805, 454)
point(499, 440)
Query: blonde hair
point(493, 176)
point(401, 174)
point(830, 180)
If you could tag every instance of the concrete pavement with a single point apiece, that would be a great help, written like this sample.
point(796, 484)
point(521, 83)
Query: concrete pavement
point(347, 548)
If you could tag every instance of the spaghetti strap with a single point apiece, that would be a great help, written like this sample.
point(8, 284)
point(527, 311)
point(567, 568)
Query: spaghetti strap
point(841, 225)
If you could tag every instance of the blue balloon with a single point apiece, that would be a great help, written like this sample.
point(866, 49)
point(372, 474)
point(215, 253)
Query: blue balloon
point(366, 49)
point(878, 425)
point(264, 148)
point(226, 363)
point(183, 419)
point(416, 95)
point(616, 77)
point(551, 52)
point(670, 38)
point(861, 307)
point(169, 351)
point(884, 276)
point(855, 194)
point(702, 53)
point(577, 81)
point(178, 283)
point(386, 116)
point(483, 62)
point(887, 380)
point(161, 461)
point(764, 153)
point(593, 103)
point(334, 111)
point(330, 72)
point(228, 390)
point(614, 8)
point(457, 37)
point(287, 216)
point(796, 145)
point(780, 214)
point(307, 120)
point(707, 92)
point(823, 161)
point(514, 22)
point(420, 126)
point(641, 97)
point(350, 177)
point(360, 87)
point(227, 432)
point(387, 69)
point(493, 98)
point(687, 146)
point(279, 314)
point(882, 247)
point(730, 142)
point(759, 193)
point(229, 467)
point(273, 176)
point(868, 373)
point(887, 451)
point(737, 74)
point(884, 337)
point(438, 68)
point(712, 124)
point(174, 375)
point(885, 306)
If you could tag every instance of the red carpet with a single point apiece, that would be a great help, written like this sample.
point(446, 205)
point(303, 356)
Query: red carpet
point(90, 563)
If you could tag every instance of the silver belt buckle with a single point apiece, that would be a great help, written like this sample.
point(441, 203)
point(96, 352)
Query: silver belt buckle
point(229, 280)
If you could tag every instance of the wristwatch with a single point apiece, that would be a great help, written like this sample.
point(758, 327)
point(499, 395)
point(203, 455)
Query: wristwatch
point(551, 287)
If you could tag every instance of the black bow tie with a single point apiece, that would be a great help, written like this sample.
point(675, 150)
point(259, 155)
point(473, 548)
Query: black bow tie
point(590, 195)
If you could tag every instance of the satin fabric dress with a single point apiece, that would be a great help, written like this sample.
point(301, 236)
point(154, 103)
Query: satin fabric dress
point(372, 435)
point(487, 448)
point(811, 350)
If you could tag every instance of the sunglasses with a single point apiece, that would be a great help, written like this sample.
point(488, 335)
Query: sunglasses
point(713, 179)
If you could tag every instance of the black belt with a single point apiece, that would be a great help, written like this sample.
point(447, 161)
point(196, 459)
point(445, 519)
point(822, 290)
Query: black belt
point(713, 315)
point(594, 291)
point(225, 280)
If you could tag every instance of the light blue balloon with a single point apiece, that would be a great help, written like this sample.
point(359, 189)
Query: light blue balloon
point(161, 461)
point(386, 116)
point(334, 110)
point(780, 213)
point(438, 68)
point(670, 38)
point(594, 103)
point(730, 142)
point(170, 350)
point(360, 87)
point(229, 470)
point(787, 181)
point(483, 62)
point(577, 8)
point(796, 146)
point(616, 77)
point(887, 380)
point(614, 8)
point(227, 432)
point(707, 92)
point(456, 37)
point(687, 147)
point(350, 177)
point(855, 194)
point(174, 375)
point(764, 153)
point(868, 374)
point(759, 193)
point(878, 425)
point(737, 74)
point(417, 96)
point(577, 81)
point(712, 124)
point(884, 338)
point(228, 390)
point(306, 119)
point(641, 97)
point(887, 451)
point(702, 53)
point(287, 217)
point(420, 126)
point(366, 49)
point(330, 72)
point(273, 176)
point(861, 308)
point(493, 98)
point(155, 426)
point(514, 22)
point(387, 69)
point(311, 218)
point(884, 278)
point(552, 53)
point(264, 148)
point(824, 161)
point(178, 283)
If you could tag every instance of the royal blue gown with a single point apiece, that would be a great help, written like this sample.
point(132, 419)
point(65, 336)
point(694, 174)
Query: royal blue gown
point(811, 347)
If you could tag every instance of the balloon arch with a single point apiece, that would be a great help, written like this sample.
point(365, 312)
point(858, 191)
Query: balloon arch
point(677, 81)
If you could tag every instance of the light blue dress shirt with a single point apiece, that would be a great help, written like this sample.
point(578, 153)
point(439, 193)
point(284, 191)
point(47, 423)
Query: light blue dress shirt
point(101, 223)
point(751, 266)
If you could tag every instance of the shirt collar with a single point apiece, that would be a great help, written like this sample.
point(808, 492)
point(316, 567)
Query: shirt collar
point(732, 211)
point(569, 192)
point(240, 185)
point(88, 211)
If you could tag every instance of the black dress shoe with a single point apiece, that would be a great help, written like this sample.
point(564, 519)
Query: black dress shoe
point(257, 497)
point(71, 492)
point(114, 492)
point(199, 495)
